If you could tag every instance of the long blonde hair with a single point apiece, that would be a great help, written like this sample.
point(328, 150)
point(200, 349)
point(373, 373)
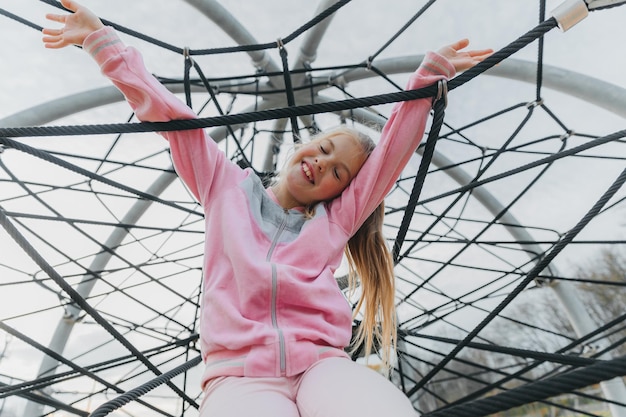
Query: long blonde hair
point(371, 264)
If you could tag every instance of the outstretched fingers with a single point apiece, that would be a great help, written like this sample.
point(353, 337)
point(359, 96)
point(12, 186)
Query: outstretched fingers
point(480, 53)
point(462, 59)
point(54, 39)
point(52, 32)
point(77, 25)
point(61, 18)
point(70, 5)
point(460, 44)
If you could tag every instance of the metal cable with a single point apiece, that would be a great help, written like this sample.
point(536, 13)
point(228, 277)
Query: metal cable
point(53, 159)
point(288, 112)
point(540, 266)
point(211, 51)
point(535, 391)
point(135, 393)
point(79, 300)
point(439, 107)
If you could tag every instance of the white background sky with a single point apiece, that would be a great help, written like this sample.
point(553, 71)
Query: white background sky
point(31, 75)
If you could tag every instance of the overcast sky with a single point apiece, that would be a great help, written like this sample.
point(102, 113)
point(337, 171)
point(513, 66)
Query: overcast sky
point(32, 75)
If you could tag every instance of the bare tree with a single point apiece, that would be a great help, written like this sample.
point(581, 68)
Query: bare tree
point(603, 289)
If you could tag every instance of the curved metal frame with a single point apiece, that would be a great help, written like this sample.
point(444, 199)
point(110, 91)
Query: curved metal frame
point(602, 94)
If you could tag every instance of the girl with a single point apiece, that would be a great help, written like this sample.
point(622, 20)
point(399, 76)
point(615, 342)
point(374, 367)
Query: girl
point(274, 323)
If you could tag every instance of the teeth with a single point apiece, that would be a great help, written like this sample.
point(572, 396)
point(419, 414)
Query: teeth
point(307, 172)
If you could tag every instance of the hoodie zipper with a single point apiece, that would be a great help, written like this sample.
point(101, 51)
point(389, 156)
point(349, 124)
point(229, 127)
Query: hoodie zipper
point(281, 338)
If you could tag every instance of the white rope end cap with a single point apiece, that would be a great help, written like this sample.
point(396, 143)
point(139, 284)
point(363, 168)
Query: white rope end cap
point(569, 13)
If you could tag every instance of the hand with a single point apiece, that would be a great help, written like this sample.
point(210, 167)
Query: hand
point(77, 26)
point(463, 60)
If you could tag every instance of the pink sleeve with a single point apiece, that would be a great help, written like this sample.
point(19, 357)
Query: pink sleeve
point(399, 139)
point(197, 159)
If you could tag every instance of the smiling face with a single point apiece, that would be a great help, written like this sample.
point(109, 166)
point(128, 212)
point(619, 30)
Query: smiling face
point(320, 170)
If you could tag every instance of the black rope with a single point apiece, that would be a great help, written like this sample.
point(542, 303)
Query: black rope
point(135, 393)
point(241, 118)
point(294, 116)
point(398, 33)
point(42, 382)
point(439, 114)
point(540, 52)
point(291, 101)
point(574, 344)
point(571, 151)
point(270, 45)
point(79, 300)
point(534, 391)
point(209, 89)
point(537, 269)
point(53, 159)
point(212, 51)
point(411, 359)
point(523, 353)
point(464, 375)
point(75, 220)
point(608, 6)
point(10, 330)
point(504, 53)
point(484, 369)
point(51, 402)
point(81, 370)
point(20, 19)
point(186, 83)
point(104, 248)
point(458, 198)
point(288, 112)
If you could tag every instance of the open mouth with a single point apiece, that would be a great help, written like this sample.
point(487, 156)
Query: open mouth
point(307, 172)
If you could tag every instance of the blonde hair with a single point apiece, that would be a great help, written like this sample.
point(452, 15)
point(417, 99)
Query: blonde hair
point(370, 263)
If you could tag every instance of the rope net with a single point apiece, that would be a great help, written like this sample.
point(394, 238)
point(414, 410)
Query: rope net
point(102, 244)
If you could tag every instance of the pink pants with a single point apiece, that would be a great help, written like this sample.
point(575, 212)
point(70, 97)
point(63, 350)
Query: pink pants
point(333, 387)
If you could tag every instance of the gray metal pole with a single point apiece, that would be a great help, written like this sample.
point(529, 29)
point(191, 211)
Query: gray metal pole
point(597, 92)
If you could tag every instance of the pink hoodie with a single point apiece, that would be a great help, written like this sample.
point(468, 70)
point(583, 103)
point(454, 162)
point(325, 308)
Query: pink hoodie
point(271, 305)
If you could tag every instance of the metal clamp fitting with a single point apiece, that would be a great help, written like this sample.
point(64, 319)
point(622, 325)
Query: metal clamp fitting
point(187, 54)
point(535, 103)
point(567, 135)
point(570, 13)
point(442, 92)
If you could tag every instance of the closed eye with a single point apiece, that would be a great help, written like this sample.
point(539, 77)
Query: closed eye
point(324, 151)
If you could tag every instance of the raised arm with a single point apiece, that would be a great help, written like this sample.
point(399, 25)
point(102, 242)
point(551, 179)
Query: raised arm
point(197, 159)
point(463, 60)
point(400, 137)
point(76, 26)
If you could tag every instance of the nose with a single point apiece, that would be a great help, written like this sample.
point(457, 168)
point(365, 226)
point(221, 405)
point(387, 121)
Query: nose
point(320, 163)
